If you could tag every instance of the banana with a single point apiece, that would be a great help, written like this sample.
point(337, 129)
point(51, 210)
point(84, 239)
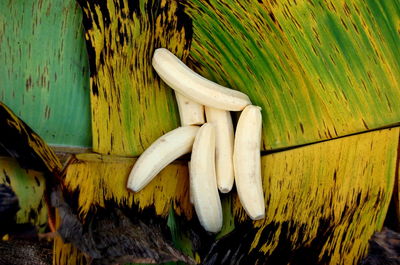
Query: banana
point(190, 186)
point(195, 87)
point(190, 112)
point(203, 181)
point(247, 162)
point(222, 121)
point(162, 152)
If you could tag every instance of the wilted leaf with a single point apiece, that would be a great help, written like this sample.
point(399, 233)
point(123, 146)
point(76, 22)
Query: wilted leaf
point(28, 187)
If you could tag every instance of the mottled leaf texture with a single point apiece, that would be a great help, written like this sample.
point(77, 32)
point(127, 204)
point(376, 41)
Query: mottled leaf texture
point(110, 237)
point(44, 69)
point(319, 69)
point(131, 106)
point(28, 187)
point(22, 143)
point(323, 203)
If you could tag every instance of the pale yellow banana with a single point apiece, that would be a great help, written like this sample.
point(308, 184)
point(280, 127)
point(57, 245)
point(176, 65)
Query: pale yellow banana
point(222, 121)
point(190, 112)
point(203, 181)
point(162, 152)
point(247, 162)
point(195, 87)
point(190, 186)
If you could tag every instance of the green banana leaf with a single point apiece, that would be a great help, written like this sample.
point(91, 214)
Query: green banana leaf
point(319, 69)
point(45, 73)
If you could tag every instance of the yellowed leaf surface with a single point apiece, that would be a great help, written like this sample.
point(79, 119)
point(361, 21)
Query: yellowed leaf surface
point(29, 186)
point(329, 197)
point(98, 179)
point(131, 107)
point(325, 199)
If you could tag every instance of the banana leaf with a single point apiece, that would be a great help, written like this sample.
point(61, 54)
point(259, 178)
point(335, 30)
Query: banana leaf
point(130, 106)
point(93, 182)
point(45, 73)
point(95, 179)
point(319, 69)
point(21, 142)
point(29, 187)
point(323, 201)
point(29, 173)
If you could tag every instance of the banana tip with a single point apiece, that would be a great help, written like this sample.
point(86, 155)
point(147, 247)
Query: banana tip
point(258, 217)
point(133, 188)
point(224, 189)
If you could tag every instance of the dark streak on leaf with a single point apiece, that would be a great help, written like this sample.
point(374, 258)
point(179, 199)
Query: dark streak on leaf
point(22, 143)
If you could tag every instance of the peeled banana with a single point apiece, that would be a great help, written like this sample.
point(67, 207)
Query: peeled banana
point(222, 121)
point(219, 157)
point(190, 112)
point(247, 162)
point(203, 181)
point(163, 151)
point(195, 87)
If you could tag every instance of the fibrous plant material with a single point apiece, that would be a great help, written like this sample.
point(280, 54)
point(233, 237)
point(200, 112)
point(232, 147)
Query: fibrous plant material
point(109, 236)
point(94, 181)
point(384, 248)
point(130, 106)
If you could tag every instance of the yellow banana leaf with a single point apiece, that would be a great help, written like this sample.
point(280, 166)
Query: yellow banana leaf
point(96, 179)
point(130, 106)
point(29, 186)
point(323, 201)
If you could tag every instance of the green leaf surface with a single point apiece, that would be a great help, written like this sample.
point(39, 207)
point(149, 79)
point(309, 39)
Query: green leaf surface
point(45, 74)
point(319, 69)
